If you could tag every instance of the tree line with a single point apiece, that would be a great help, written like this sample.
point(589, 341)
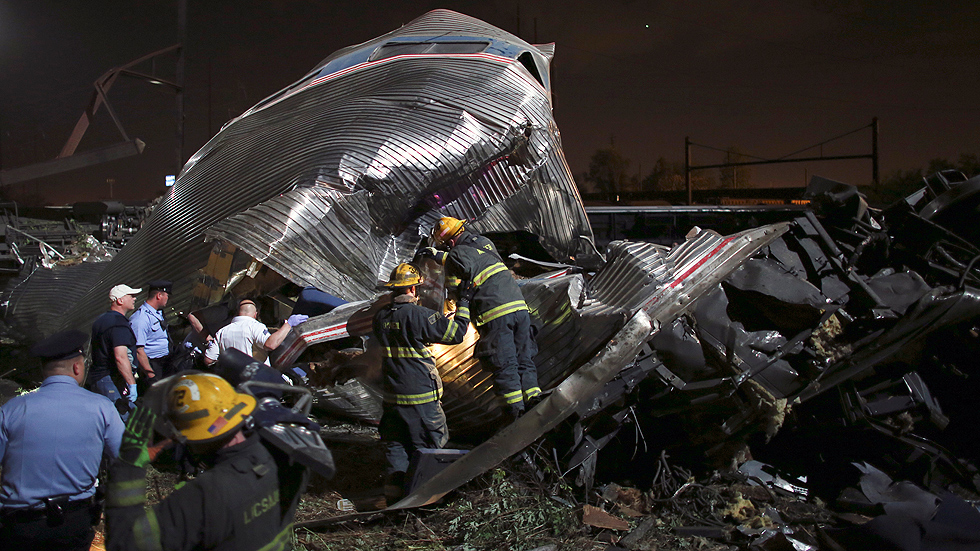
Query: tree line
point(610, 173)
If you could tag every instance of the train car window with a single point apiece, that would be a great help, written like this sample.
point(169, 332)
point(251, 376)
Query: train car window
point(393, 49)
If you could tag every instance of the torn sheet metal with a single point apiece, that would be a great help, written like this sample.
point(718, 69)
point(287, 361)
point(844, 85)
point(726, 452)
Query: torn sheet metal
point(445, 116)
point(571, 327)
point(560, 403)
point(713, 254)
point(34, 305)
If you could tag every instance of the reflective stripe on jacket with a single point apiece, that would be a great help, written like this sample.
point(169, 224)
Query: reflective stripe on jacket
point(245, 502)
point(404, 330)
point(474, 258)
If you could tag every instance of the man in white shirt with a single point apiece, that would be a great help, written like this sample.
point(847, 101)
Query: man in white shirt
point(247, 334)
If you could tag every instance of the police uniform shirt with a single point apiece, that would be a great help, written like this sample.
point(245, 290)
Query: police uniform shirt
point(151, 331)
point(52, 441)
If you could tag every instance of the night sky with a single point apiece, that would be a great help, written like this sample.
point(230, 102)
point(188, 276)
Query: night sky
point(767, 77)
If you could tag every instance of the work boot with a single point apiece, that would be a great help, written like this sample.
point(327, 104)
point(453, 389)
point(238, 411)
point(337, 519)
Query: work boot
point(531, 402)
point(394, 487)
point(509, 415)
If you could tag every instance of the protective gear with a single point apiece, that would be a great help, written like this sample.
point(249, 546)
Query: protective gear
point(204, 407)
point(427, 252)
point(297, 319)
point(136, 438)
point(445, 229)
point(404, 275)
point(465, 291)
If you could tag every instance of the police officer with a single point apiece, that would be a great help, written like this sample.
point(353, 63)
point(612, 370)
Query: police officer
point(412, 415)
point(499, 313)
point(245, 501)
point(150, 330)
point(52, 442)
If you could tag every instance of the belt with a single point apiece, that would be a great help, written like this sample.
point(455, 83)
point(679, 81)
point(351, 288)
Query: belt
point(28, 515)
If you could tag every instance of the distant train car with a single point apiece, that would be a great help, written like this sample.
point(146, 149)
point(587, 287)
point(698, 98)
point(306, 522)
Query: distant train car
point(667, 225)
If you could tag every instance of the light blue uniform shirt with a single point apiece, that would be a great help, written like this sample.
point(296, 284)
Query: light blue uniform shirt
point(52, 441)
point(150, 330)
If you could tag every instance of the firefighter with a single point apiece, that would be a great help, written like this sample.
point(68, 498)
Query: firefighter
point(412, 415)
point(499, 312)
point(245, 500)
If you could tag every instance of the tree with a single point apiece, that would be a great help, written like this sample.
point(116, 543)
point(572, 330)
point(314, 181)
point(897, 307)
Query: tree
point(667, 176)
point(608, 172)
point(734, 177)
point(969, 164)
point(663, 177)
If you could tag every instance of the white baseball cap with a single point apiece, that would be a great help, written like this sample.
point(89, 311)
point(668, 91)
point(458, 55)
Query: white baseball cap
point(122, 290)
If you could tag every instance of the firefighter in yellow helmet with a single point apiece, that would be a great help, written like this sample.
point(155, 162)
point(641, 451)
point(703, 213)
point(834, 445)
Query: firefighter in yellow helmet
point(247, 497)
point(412, 416)
point(500, 314)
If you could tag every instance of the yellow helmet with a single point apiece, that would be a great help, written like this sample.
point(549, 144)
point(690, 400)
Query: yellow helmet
point(404, 275)
point(445, 229)
point(205, 408)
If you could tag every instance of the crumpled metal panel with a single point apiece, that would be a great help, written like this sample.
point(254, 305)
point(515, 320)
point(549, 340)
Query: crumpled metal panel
point(34, 305)
point(572, 325)
point(352, 399)
point(404, 139)
point(631, 271)
point(320, 237)
point(568, 337)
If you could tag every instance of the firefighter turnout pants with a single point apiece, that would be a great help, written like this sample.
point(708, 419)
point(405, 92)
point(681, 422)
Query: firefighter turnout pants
point(507, 348)
point(404, 429)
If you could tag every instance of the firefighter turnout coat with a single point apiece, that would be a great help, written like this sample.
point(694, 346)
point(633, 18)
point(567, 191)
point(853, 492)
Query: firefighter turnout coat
point(246, 501)
point(404, 330)
point(474, 258)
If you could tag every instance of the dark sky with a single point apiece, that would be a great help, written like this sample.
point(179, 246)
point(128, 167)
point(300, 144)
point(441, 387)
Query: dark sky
point(769, 77)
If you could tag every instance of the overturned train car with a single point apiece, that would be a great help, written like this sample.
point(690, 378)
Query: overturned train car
point(334, 179)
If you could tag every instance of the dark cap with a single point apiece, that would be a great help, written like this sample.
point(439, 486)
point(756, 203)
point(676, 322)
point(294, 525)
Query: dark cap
point(160, 285)
point(60, 346)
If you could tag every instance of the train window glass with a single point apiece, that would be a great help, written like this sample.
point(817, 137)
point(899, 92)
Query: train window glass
point(621, 224)
point(647, 227)
point(601, 224)
point(392, 49)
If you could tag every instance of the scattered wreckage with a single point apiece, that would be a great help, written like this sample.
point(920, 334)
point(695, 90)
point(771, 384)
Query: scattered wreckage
point(714, 343)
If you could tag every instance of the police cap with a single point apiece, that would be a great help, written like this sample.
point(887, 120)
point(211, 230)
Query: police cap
point(60, 346)
point(160, 285)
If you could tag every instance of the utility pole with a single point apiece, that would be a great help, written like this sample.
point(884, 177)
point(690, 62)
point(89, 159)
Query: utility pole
point(210, 133)
point(687, 169)
point(179, 77)
point(874, 152)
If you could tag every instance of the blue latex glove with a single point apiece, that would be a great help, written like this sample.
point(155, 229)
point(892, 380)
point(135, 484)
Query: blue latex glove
point(297, 319)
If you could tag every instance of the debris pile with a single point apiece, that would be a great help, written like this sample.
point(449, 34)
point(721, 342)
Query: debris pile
point(811, 344)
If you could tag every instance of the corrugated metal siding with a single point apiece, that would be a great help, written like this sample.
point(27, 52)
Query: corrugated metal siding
point(34, 306)
point(409, 138)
